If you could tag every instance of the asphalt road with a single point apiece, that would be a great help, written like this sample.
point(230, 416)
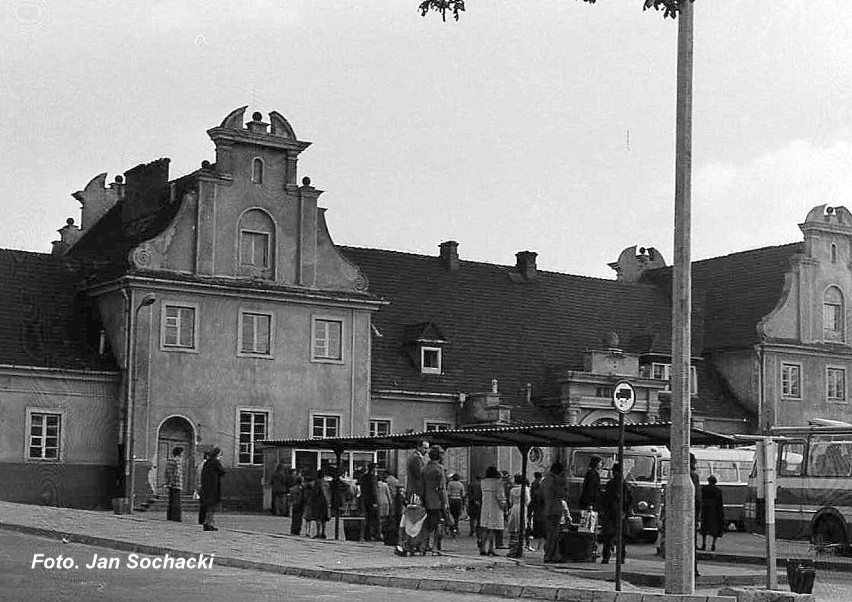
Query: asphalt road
point(20, 582)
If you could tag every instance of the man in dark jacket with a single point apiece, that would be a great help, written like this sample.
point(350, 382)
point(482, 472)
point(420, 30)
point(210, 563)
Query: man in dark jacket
point(611, 513)
point(278, 485)
point(414, 467)
point(434, 496)
point(369, 485)
point(211, 488)
point(554, 490)
point(591, 495)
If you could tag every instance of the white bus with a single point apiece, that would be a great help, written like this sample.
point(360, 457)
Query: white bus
point(813, 497)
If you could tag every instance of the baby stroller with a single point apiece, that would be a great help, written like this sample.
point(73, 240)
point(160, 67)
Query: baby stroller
point(413, 538)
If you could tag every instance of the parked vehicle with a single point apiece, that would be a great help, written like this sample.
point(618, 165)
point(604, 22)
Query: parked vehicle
point(813, 486)
point(642, 470)
point(731, 467)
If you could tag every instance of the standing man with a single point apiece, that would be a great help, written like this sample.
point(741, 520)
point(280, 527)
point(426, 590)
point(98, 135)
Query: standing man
point(696, 484)
point(278, 485)
point(591, 496)
point(414, 467)
point(554, 491)
point(211, 488)
point(456, 495)
point(369, 485)
point(611, 513)
point(474, 506)
point(174, 483)
point(434, 496)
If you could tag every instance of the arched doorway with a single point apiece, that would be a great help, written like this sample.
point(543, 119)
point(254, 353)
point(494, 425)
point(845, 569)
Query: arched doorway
point(176, 432)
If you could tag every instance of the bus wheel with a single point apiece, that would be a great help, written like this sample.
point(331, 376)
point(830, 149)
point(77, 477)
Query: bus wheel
point(829, 535)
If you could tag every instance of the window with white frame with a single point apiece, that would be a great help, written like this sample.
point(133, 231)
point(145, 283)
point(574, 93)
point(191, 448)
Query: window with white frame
point(791, 380)
point(45, 431)
point(254, 249)
point(255, 333)
point(664, 372)
point(833, 324)
point(430, 360)
point(179, 326)
point(254, 427)
point(327, 344)
point(435, 425)
point(835, 387)
point(324, 425)
point(379, 428)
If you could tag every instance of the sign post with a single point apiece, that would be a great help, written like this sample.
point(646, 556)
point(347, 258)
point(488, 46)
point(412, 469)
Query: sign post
point(623, 399)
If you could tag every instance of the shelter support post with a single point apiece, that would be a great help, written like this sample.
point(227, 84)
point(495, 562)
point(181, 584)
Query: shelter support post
point(619, 533)
point(335, 492)
point(767, 470)
point(522, 519)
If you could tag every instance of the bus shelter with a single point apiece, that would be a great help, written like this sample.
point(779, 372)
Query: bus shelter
point(523, 437)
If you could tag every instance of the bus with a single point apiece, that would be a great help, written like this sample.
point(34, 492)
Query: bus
point(813, 499)
point(643, 470)
point(731, 467)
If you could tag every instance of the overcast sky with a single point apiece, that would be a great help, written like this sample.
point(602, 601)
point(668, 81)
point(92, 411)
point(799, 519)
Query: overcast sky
point(545, 126)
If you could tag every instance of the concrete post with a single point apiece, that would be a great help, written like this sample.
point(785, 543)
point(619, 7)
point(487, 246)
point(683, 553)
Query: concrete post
point(680, 513)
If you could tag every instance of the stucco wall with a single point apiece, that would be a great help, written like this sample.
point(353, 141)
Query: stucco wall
point(740, 370)
point(84, 474)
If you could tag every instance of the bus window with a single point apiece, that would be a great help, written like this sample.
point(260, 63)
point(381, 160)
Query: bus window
point(639, 468)
point(726, 472)
point(580, 463)
point(829, 458)
point(790, 459)
point(704, 469)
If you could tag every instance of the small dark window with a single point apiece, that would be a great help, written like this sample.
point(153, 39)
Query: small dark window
point(833, 253)
point(257, 170)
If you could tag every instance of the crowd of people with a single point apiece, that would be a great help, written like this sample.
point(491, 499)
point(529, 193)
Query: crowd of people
point(415, 516)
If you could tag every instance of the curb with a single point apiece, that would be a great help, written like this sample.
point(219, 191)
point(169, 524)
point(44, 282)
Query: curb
point(823, 565)
point(565, 594)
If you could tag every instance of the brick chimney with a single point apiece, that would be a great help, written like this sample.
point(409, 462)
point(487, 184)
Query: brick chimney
point(525, 264)
point(450, 255)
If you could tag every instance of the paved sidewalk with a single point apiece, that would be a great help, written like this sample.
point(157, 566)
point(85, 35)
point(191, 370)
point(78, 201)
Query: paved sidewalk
point(262, 542)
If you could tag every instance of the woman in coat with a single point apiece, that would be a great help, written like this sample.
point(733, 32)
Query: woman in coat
point(211, 488)
point(712, 513)
point(493, 507)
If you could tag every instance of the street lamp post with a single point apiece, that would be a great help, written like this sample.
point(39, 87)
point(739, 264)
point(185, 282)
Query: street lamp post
point(129, 438)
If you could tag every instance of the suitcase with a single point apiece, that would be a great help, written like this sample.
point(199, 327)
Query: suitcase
point(576, 546)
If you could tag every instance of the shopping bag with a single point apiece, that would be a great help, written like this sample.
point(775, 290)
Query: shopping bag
point(588, 521)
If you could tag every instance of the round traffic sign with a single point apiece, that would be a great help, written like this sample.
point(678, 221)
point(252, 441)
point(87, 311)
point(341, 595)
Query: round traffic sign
point(623, 396)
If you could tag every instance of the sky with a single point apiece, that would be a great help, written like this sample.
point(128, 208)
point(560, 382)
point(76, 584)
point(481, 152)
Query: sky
point(545, 126)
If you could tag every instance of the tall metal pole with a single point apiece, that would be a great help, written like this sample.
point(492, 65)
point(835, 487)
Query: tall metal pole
point(767, 468)
point(619, 529)
point(680, 511)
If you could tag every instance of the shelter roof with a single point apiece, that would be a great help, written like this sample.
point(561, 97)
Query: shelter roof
point(551, 435)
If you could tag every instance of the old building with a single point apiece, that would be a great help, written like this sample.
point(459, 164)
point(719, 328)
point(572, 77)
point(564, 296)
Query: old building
point(214, 310)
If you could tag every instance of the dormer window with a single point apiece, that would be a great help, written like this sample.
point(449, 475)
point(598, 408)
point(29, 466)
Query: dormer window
point(425, 345)
point(661, 371)
point(430, 360)
point(833, 325)
point(254, 249)
point(257, 170)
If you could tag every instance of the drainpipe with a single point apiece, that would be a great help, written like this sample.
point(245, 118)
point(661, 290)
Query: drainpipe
point(352, 374)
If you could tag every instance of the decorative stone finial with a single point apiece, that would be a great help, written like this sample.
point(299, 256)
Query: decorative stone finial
point(257, 116)
point(611, 340)
point(205, 164)
point(306, 181)
point(119, 179)
point(70, 221)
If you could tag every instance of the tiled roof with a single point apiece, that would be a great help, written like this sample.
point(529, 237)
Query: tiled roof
point(498, 327)
point(738, 290)
point(43, 321)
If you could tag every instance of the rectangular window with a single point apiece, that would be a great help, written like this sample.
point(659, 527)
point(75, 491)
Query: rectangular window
point(664, 372)
point(254, 427)
point(430, 360)
point(324, 426)
point(179, 326)
point(44, 436)
point(437, 426)
point(327, 343)
point(790, 458)
point(835, 388)
point(830, 456)
point(254, 249)
point(833, 321)
point(255, 333)
point(377, 429)
point(791, 380)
